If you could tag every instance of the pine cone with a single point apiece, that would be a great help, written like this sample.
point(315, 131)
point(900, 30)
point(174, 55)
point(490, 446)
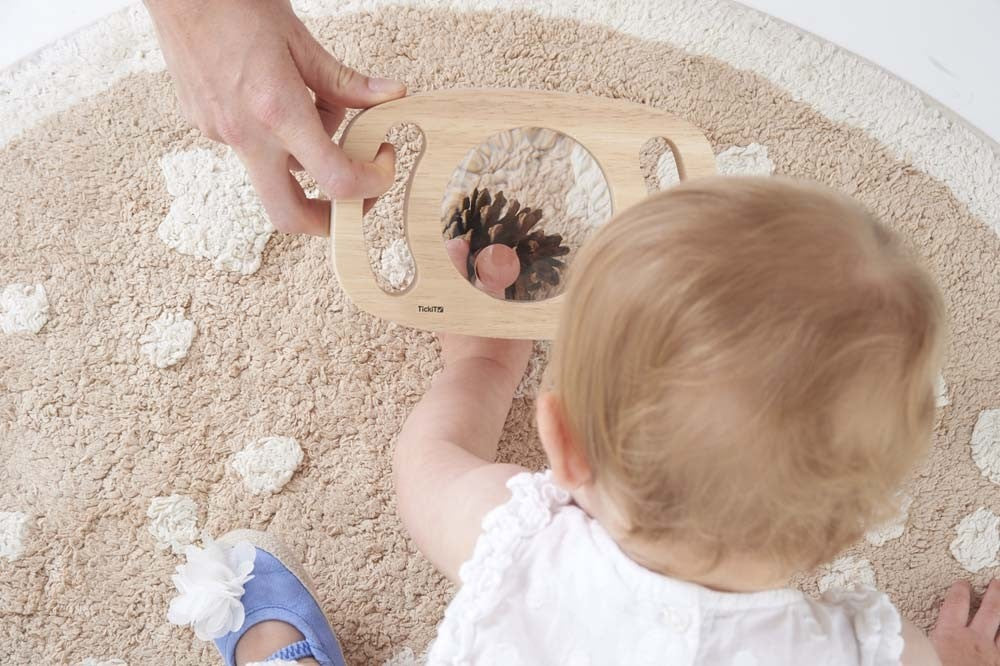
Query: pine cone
point(484, 221)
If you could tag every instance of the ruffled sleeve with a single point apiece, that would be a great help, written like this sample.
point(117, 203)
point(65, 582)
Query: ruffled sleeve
point(533, 499)
point(490, 575)
point(877, 624)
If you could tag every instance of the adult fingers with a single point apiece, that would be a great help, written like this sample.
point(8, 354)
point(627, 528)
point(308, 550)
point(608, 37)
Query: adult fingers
point(385, 159)
point(335, 173)
point(330, 117)
point(955, 608)
point(295, 122)
point(287, 206)
point(331, 120)
point(986, 621)
point(335, 81)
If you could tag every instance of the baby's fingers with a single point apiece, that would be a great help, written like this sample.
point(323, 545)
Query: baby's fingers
point(458, 252)
point(496, 267)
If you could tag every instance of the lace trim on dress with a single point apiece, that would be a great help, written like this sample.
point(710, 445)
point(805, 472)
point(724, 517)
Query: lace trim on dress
point(534, 498)
point(877, 624)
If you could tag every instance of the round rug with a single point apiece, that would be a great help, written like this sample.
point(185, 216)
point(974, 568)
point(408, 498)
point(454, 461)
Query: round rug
point(170, 367)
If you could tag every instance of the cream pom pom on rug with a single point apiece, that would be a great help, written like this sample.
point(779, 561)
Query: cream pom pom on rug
point(171, 367)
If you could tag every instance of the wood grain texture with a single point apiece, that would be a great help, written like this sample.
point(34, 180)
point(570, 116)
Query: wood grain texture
point(454, 122)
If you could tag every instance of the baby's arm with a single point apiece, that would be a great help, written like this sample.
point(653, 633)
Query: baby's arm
point(917, 648)
point(445, 475)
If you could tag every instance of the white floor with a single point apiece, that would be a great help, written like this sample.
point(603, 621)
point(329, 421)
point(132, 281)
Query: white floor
point(28, 25)
point(947, 49)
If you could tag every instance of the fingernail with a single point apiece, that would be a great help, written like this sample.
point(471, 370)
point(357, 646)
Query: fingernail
point(385, 86)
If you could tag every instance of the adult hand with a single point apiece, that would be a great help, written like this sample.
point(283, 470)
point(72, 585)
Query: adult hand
point(243, 71)
point(961, 641)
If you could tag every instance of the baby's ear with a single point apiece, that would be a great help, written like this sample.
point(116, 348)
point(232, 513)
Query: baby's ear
point(567, 458)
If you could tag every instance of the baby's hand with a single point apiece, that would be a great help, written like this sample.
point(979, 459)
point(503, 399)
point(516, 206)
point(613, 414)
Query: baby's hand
point(446, 474)
point(497, 267)
point(960, 641)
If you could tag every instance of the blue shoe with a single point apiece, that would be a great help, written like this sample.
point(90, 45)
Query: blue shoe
point(277, 588)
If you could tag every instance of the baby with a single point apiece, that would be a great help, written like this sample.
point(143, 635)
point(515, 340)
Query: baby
point(742, 379)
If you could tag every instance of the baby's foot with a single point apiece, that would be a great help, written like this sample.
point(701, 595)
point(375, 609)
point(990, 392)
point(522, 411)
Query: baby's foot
point(270, 643)
point(254, 600)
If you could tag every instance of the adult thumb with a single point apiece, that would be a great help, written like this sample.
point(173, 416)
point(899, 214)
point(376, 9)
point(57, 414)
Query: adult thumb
point(335, 82)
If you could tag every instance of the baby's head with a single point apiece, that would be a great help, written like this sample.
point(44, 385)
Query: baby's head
point(745, 366)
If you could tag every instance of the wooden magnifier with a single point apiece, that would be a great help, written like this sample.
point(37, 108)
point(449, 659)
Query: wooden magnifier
point(452, 123)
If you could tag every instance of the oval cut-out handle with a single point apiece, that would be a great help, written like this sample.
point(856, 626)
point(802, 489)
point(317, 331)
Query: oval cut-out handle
point(452, 122)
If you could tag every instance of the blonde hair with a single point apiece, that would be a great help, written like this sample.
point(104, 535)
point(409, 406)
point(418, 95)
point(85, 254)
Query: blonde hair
point(750, 364)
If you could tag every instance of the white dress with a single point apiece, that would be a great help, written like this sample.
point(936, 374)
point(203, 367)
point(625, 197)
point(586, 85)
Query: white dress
point(547, 585)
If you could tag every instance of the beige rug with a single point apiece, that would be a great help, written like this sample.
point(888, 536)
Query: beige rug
point(163, 356)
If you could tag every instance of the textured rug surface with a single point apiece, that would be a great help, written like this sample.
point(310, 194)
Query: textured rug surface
point(169, 366)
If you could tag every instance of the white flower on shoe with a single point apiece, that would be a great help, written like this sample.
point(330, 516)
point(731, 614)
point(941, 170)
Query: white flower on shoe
point(210, 587)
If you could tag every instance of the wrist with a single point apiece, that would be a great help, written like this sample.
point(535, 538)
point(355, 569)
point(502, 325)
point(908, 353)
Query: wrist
point(486, 368)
